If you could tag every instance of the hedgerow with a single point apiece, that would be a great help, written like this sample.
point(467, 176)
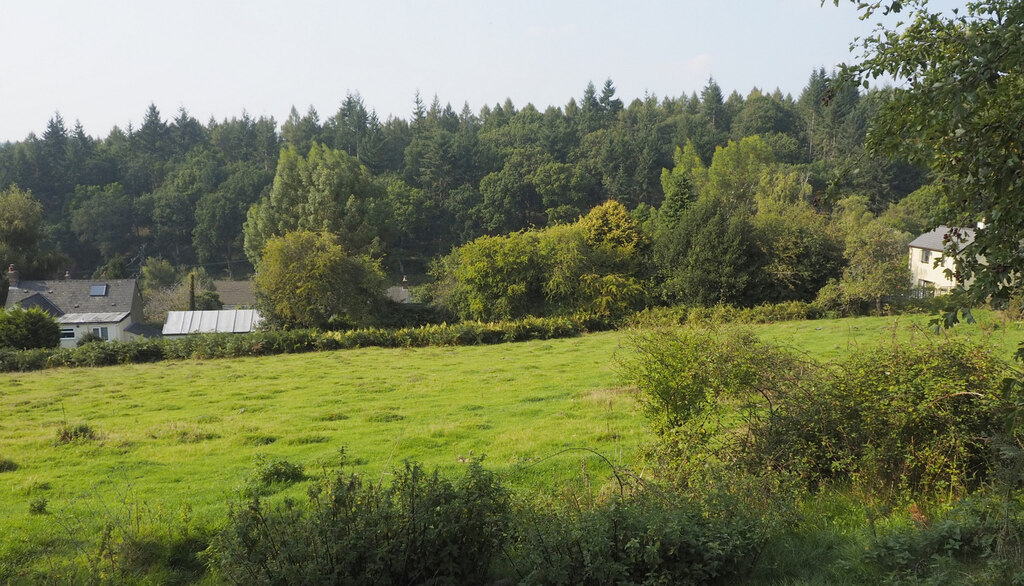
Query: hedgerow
point(271, 342)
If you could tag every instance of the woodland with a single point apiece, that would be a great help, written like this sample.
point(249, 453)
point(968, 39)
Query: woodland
point(730, 199)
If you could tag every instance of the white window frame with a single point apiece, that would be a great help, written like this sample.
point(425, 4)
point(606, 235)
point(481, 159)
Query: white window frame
point(102, 332)
point(926, 255)
point(67, 333)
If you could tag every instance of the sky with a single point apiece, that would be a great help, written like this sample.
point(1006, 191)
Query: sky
point(103, 62)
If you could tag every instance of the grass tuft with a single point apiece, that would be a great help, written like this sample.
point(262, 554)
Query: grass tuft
point(78, 432)
point(7, 465)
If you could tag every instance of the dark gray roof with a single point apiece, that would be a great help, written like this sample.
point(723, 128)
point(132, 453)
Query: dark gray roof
point(140, 329)
point(235, 292)
point(72, 295)
point(934, 240)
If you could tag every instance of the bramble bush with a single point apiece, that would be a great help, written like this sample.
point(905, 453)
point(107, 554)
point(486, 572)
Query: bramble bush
point(898, 420)
point(422, 528)
point(637, 539)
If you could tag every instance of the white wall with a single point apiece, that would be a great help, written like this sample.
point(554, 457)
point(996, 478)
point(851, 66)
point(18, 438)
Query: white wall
point(923, 270)
point(115, 331)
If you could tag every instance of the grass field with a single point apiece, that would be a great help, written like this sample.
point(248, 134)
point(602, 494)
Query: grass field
point(176, 440)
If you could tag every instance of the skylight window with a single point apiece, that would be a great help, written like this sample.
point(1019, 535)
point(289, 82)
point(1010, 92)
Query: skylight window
point(98, 290)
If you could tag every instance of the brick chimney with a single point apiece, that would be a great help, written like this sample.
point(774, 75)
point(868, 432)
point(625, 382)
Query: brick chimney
point(12, 277)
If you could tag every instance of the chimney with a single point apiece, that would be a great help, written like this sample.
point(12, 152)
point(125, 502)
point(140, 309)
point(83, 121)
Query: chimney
point(12, 276)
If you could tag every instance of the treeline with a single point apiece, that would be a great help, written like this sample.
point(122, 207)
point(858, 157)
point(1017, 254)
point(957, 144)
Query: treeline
point(404, 191)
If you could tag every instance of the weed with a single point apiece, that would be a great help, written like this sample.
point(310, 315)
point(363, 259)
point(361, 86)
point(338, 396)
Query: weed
point(333, 417)
point(37, 506)
point(7, 465)
point(259, 439)
point(385, 417)
point(271, 475)
point(191, 436)
point(78, 432)
point(308, 439)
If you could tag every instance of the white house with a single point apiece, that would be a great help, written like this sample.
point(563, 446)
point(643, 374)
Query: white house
point(109, 308)
point(928, 264)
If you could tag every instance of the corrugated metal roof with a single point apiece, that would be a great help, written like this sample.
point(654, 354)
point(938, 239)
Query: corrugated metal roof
point(92, 318)
point(934, 240)
point(233, 321)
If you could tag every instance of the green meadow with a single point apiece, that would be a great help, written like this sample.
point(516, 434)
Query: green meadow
point(170, 444)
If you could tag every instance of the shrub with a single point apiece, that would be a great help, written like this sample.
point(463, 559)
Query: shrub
point(634, 540)
point(88, 338)
point(941, 550)
point(900, 419)
point(270, 475)
point(686, 374)
point(897, 420)
point(37, 506)
point(420, 529)
point(28, 328)
point(96, 354)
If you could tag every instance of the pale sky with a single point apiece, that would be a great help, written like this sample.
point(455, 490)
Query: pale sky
point(103, 62)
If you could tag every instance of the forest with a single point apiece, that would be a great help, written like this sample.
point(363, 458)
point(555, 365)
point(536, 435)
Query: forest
point(775, 186)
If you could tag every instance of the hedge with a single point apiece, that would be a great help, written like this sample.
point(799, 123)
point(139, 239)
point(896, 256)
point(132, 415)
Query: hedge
point(270, 342)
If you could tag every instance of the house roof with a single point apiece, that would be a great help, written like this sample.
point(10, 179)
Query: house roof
point(140, 329)
point(235, 292)
point(935, 240)
point(234, 321)
point(92, 318)
point(73, 295)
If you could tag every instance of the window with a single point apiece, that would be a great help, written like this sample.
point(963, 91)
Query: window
point(101, 332)
point(98, 290)
point(926, 256)
point(67, 333)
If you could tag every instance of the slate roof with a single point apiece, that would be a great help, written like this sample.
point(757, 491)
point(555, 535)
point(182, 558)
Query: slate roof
point(233, 321)
point(235, 292)
point(140, 329)
point(934, 240)
point(72, 295)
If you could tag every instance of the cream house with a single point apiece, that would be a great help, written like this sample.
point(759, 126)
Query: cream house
point(928, 264)
point(108, 308)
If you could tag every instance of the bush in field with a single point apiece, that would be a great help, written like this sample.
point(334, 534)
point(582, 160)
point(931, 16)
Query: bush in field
point(685, 375)
point(899, 418)
point(270, 475)
point(28, 328)
point(420, 529)
point(637, 539)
